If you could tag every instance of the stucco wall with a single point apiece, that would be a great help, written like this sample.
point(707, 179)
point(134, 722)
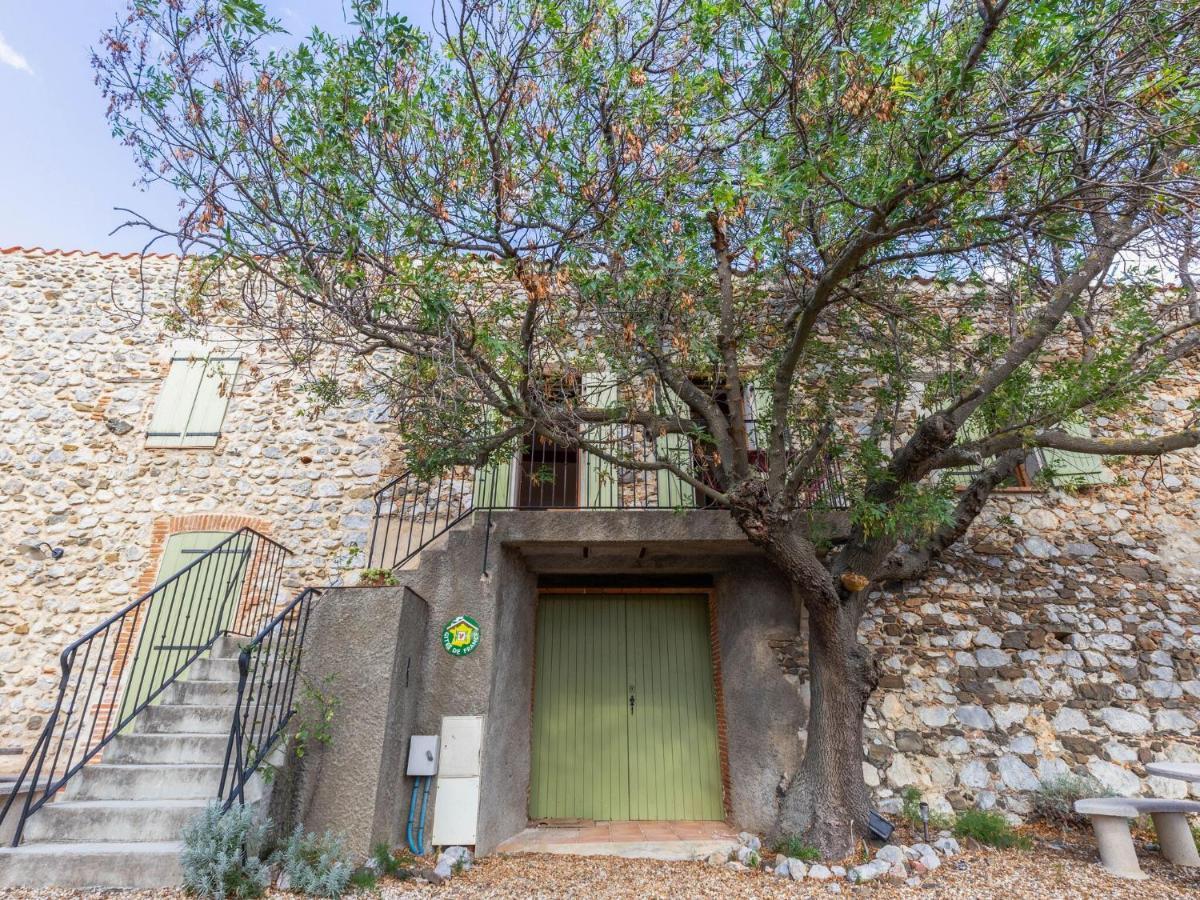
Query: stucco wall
point(80, 370)
point(363, 647)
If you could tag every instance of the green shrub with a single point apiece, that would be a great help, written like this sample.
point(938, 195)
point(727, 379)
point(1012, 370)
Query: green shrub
point(911, 810)
point(793, 847)
point(396, 865)
point(377, 578)
point(1054, 800)
point(363, 879)
point(319, 866)
point(219, 857)
point(989, 827)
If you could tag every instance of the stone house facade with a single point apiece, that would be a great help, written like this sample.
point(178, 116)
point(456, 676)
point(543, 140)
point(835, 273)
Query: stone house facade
point(1063, 636)
point(84, 357)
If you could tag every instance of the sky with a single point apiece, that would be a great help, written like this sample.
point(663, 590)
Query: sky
point(63, 175)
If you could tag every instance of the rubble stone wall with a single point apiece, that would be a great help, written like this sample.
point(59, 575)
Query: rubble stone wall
point(83, 355)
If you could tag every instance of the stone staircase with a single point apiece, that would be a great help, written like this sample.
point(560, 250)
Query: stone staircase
point(117, 823)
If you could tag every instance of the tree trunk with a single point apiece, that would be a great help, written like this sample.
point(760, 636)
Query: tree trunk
point(827, 800)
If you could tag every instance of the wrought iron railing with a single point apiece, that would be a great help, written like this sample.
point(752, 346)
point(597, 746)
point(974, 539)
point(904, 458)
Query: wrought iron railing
point(268, 673)
point(117, 669)
point(411, 512)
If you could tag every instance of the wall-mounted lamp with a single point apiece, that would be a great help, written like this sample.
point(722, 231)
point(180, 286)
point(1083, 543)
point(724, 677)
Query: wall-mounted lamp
point(40, 550)
point(925, 820)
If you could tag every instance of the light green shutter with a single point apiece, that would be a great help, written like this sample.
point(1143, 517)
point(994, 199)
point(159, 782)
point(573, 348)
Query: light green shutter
point(601, 479)
point(175, 403)
point(962, 476)
point(192, 403)
point(493, 482)
point(212, 400)
point(758, 415)
point(673, 491)
point(1071, 468)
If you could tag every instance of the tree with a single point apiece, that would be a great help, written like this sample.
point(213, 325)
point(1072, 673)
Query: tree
point(710, 201)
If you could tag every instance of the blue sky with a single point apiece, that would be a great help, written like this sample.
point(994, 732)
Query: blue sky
point(62, 174)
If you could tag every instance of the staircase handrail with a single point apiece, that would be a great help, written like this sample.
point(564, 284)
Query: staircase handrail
point(224, 590)
point(268, 670)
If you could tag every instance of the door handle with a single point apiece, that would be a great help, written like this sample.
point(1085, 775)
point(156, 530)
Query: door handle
point(632, 703)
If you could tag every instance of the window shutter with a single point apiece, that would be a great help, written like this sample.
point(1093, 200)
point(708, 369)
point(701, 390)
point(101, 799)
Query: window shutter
point(192, 403)
point(673, 491)
point(492, 483)
point(601, 480)
point(1071, 468)
point(971, 430)
point(758, 415)
point(212, 399)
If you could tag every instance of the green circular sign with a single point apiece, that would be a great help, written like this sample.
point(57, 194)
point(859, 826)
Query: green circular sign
point(460, 636)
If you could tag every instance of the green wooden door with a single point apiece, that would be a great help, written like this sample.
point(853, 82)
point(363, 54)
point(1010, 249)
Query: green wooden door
point(625, 723)
point(185, 613)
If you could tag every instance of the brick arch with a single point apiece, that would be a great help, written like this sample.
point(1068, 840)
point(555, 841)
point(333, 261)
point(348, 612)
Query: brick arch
point(166, 526)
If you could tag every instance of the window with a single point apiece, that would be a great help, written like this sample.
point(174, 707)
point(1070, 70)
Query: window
point(548, 475)
point(191, 405)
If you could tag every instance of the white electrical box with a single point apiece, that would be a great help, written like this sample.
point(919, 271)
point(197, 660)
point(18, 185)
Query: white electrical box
point(423, 755)
point(456, 813)
point(462, 746)
point(456, 806)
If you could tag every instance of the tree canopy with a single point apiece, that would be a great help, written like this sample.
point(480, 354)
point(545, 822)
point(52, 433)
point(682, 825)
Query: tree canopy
point(816, 215)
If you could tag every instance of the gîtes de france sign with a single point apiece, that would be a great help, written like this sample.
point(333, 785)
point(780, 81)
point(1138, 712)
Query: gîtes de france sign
point(460, 636)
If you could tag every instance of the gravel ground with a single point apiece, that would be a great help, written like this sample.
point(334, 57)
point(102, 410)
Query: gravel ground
point(1065, 873)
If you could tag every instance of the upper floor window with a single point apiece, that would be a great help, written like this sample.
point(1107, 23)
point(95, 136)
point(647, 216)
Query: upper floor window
point(191, 405)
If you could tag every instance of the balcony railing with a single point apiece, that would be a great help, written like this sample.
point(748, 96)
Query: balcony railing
point(411, 512)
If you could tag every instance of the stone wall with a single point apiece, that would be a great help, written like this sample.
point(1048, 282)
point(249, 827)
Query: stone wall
point(1062, 637)
point(82, 357)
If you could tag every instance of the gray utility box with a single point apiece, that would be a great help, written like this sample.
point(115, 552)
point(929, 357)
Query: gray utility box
point(423, 755)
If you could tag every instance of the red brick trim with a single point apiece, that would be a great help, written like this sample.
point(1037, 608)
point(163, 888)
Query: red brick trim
point(719, 690)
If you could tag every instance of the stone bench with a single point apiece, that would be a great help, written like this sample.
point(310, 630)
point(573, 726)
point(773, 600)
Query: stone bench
point(1110, 818)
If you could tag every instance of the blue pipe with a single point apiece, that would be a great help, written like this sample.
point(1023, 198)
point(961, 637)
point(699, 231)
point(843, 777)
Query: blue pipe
point(412, 811)
point(424, 803)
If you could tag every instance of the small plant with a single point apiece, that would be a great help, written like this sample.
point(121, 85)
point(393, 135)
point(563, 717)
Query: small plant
point(911, 810)
point(219, 857)
point(396, 865)
point(377, 578)
point(319, 866)
point(314, 715)
point(794, 848)
point(364, 879)
point(1054, 800)
point(989, 827)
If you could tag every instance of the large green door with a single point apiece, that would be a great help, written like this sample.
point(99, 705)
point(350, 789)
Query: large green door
point(625, 723)
point(186, 612)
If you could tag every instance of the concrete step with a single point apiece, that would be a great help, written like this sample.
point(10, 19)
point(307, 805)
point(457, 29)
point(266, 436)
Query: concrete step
point(150, 864)
point(212, 669)
point(112, 820)
point(176, 718)
point(123, 781)
point(201, 693)
point(167, 748)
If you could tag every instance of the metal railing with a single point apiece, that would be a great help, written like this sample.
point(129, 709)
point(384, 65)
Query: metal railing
point(119, 668)
point(268, 671)
point(411, 512)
